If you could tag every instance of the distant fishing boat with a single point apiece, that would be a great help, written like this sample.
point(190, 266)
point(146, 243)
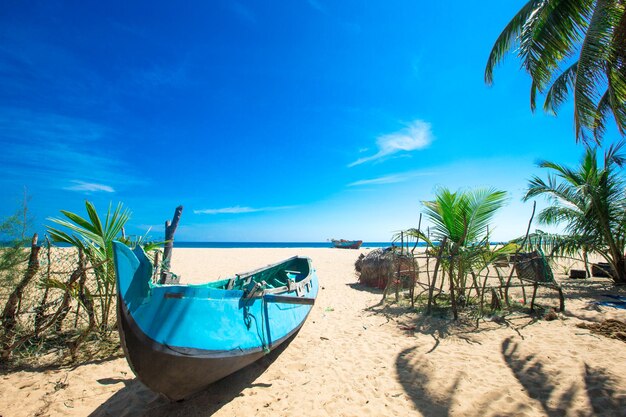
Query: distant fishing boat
point(346, 244)
point(178, 339)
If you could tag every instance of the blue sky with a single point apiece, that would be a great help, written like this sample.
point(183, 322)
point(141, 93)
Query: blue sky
point(268, 121)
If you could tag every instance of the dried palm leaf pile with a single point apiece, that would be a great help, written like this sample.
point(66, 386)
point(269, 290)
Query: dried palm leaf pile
point(610, 328)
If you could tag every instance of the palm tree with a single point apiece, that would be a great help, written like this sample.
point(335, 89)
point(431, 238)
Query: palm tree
point(576, 46)
point(591, 202)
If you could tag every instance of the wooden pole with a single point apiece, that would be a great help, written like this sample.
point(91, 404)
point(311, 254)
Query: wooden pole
point(419, 229)
point(156, 266)
point(508, 282)
point(434, 281)
point(41, 310)
point(451, 274)
point(170, 230)
point(9, 314)
point(399, 262)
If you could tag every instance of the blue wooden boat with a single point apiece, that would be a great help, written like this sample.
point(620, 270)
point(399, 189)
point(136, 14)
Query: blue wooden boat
point(178, 339)
point(346, 244)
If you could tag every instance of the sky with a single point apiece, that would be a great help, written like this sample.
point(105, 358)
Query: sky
point(268, 121)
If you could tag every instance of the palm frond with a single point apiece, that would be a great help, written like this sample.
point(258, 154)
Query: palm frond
point(594, 55)
point(617, 91)
point(507, 39)
point(559, 90)
point(550, 35)
point(83, 233)
point(95, 219)
point(603, 109)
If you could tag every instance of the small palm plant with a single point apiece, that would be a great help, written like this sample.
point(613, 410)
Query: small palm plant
point(590, 200)
point(461, 220)
point(95, 239)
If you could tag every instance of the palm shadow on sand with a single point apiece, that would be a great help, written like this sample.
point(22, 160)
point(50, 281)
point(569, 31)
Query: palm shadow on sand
point(538, 383)
point(135, 399)
point(603, 398)
point(437, 398)
point(541, 386)
point(415, 380)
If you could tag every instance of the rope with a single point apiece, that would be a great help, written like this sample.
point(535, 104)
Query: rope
point(247, 319)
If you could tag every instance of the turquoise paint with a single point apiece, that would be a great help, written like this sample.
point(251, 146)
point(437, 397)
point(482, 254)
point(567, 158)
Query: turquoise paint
point(203, 317)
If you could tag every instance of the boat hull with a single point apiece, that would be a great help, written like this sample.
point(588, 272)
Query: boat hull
point(178, 373)
point(347, 244)
point(178, 339)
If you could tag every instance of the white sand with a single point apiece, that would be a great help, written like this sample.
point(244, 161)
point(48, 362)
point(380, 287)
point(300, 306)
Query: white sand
point(350, 359)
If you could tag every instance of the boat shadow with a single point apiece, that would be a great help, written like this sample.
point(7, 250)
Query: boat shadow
point(135, 399)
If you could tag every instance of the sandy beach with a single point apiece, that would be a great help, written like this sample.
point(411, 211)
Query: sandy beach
point(355, 358)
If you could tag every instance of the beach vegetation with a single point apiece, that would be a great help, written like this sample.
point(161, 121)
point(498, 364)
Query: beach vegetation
point(589, 200)
point(571, 48)
point(58, 301)
point(17, 270)
point(459, 239)
point(94, 238)
point(13, 232)
point(12, 253)
point(460, 222)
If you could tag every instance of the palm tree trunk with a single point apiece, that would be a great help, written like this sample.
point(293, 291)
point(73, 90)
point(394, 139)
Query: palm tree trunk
point(586, 261)
point(620, 268)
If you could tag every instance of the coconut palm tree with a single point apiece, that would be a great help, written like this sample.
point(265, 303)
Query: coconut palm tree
point(571, 46)
point(591, 201)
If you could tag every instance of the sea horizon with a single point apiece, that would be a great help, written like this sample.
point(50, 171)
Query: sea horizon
point(256, 245)
point(259, 245)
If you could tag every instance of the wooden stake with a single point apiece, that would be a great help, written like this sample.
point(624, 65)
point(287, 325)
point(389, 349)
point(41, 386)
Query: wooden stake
point(508, 282)
point(434, 282)
point(170, 230)
point(9, 315)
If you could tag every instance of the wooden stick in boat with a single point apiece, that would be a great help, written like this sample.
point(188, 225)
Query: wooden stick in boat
point(170, 229)
point(286, 299)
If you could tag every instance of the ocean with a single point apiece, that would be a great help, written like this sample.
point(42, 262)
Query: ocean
point(230, 245)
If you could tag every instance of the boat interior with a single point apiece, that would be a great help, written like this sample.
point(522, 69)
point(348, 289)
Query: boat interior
point(280, 275)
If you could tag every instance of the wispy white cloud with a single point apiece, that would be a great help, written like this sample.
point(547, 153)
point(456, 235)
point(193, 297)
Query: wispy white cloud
point(391, 179)
point(89, 187)
point(240, 210)
point(416, 136)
